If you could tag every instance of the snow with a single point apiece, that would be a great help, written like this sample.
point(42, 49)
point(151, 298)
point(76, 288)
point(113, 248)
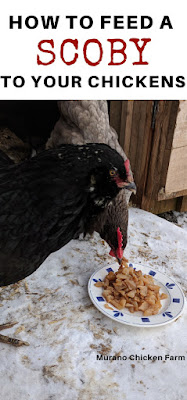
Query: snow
point(181, 219)
point(178, 218)
point(66, 332)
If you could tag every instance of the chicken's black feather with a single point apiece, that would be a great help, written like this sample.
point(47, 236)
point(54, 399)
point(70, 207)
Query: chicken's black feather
point(46, 201)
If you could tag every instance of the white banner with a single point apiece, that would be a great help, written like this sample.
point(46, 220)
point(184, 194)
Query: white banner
point(100, 50)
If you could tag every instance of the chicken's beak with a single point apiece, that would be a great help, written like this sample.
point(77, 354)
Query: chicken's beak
point(128, 184)
point(113, 254)
point(131, 186)
point(119, 260)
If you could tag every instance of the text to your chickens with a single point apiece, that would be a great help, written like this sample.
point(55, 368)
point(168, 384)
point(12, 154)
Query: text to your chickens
point(94, 81)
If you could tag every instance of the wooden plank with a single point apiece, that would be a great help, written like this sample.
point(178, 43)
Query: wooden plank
point(169, 140)
point(180, 136)
point(122, 133)
point(141, 148)
point(140, 145)
point(157, 151)
point(144, 153)
point(158, 154)
point(136, 130)
point(128, 126)
point(148, 150)
point(115, 115)
point(182, 204)
point(158, 207)
point(162, 195)
point(136, 117)
point(177, 171)
point(172, 123)
point(163, 133)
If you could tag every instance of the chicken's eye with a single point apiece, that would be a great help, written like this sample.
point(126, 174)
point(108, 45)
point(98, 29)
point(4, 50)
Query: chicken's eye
point(112, 172)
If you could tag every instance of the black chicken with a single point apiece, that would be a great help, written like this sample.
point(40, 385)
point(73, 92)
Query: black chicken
point(87, 121)
point(48, 200)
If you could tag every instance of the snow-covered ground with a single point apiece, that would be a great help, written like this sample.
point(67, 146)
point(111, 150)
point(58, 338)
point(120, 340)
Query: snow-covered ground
point(178, 218)
point(66, 332)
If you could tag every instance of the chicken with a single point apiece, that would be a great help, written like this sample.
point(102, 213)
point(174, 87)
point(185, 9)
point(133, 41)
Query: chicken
point(87, 121)
point(84, 121)
point(48, 200)
point(13, 146)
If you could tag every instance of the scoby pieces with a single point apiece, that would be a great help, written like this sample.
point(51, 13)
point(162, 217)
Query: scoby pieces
point(131, 289)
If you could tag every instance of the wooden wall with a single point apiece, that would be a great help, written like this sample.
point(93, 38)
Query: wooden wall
point(177, 170)
point(146, 132)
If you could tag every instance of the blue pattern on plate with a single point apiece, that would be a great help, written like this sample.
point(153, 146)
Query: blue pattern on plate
point(117, 313)
point(145, 319)
point(130, 265)
point(168, 314)
point(170, 285)
point(153, 273)
point(176, 300)
point(96, 280)
point(100, 298)
point(109, 269)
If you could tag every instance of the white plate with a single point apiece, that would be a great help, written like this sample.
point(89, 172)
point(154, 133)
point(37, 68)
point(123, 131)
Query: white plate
point(171, 307)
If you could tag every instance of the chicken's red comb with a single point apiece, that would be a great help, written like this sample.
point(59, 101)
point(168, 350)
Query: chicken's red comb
point(127, 166)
